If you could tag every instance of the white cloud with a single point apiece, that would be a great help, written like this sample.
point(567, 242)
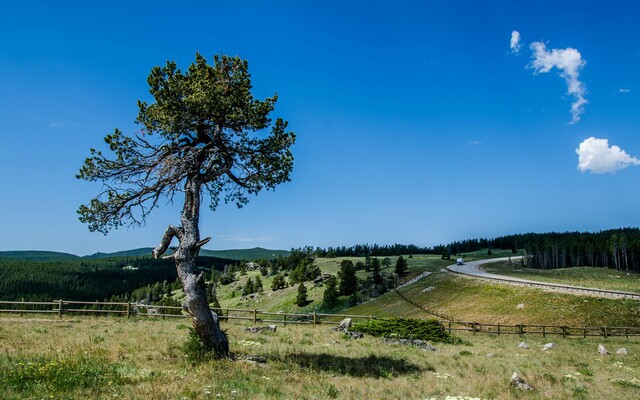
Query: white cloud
point(515, 42)
point(475, 143)
point(569, 62)
point(623, 90)
point(596, 156)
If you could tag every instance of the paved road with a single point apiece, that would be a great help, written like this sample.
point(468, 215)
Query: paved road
point(473, 268)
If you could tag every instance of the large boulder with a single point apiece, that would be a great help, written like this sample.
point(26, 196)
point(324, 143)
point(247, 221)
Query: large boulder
point(523, 345)
point(602, 350)
point(518, 382)
point(344, 325)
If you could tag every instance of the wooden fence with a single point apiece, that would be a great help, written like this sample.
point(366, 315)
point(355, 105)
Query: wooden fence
point(128, 310)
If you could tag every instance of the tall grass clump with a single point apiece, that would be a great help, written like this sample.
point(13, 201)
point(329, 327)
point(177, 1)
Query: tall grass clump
point(195, 350)
point(430, 330)
point(59, 374)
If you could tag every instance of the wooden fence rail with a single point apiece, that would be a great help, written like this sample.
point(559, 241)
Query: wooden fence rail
point(128, 310)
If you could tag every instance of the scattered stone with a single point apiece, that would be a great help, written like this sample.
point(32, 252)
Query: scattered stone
point(520, 306)
point(622, 352)
point(344, 325)
point(523, 345)
point(354, 335)
point(490, 355)
point(549, 346)
point(408, 342)
point(602, 350)
point(251, 358)
point(322, 278)
point(520, 383)
point(256, 329)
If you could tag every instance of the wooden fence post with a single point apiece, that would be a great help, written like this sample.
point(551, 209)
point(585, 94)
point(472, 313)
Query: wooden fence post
point(315, 318)
point(449, 327)
point(473, 326)
point(255, 315)
point(544, 331)
point(604, 330)
point(521, 329)
point(128, 309)
point(60, 308)
point(584, 332)
point(564, 331)
point(284, 319)
point(498, 329)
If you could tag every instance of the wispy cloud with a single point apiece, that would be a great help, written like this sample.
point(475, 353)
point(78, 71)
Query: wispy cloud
point(569, 62)
point(623, 90)
point(596, 156)
point(474, 143)
point(515, 42)
point(57, 124)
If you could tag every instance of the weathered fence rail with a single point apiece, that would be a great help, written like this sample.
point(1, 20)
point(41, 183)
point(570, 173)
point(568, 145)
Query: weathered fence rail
point(128, 310)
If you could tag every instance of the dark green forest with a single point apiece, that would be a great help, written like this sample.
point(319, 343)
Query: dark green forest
point(86, 279)
point(613, 248)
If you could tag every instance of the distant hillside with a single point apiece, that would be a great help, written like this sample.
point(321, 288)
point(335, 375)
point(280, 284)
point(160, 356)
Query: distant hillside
point(238, 254)
point(37, 255)
point(141, 252)
point(245, 254)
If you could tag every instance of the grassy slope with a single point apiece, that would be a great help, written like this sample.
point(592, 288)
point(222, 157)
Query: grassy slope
point(453, 296)
point(144, 360)
point(473, 300)
point(600, 278)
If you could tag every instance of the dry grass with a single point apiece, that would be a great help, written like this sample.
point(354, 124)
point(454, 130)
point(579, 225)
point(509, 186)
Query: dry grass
point(310, 363)
point(600, 278)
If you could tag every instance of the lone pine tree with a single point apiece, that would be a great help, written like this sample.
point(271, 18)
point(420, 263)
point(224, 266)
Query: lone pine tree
point(204, 136)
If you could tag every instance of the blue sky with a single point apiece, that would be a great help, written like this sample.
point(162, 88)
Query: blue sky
point(416, 123)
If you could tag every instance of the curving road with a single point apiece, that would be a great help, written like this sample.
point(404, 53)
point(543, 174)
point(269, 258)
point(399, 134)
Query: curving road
point(473, 269)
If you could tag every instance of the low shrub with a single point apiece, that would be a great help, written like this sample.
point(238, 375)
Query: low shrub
point(407, 328)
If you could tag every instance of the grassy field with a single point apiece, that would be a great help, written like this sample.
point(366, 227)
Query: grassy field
point(600, 278)
point(104, 358)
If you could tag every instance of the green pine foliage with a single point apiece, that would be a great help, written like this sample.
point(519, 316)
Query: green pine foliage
point(248, 287)
point(278, 282)
point(330, 295)
point(407, 328)
point(401, 266)
point(301, 298)
point(348, 281)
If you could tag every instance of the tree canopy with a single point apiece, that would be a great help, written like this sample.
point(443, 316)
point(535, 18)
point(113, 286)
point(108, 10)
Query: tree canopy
point(204, 125)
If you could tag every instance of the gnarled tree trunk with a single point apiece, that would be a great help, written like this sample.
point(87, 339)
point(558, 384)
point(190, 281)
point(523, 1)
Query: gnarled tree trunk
point(205, 321)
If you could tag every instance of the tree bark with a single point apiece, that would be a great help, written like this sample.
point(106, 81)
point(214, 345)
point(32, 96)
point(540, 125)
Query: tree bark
point(205, 321)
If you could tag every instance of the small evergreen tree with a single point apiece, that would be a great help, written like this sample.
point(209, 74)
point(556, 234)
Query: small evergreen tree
point(278, 282)
point(301, 299)
point(348, 282)
point(257, 285)
point(248, 287)
point(375, 272)
point(401, 266)
point(330, 296)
